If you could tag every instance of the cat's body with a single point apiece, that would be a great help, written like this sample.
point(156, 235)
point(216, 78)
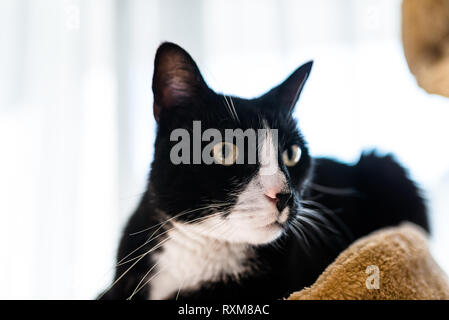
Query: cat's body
point(237, 231)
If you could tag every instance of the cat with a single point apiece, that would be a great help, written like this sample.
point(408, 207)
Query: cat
point(236, 231)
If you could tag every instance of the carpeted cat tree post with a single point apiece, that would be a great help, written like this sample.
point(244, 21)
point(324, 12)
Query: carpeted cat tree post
point(390, 264)
point(425, 37)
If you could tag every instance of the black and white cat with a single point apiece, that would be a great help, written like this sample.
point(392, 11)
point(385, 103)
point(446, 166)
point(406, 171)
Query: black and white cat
point(217, 231)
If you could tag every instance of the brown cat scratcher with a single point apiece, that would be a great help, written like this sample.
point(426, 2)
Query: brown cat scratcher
point(425, 37)
point(406, 270)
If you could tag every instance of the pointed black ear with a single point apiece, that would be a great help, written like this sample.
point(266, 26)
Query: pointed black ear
point(176, 78)
point(287, 93)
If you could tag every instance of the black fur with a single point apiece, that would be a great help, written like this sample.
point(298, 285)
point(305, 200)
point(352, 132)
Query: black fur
point(351, 200)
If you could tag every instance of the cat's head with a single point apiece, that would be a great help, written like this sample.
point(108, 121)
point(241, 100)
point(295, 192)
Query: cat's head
point(230, 168)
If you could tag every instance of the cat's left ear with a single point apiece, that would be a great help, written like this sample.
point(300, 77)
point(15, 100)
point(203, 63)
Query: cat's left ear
point(176, 80)
point(287, 93)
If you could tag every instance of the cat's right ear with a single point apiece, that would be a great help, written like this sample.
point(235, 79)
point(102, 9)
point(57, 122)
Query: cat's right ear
point(287, 93)
point(176, 78)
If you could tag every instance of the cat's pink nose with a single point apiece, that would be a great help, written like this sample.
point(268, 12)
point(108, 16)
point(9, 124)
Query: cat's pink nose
point(271, 198)
point(271, 194)
point(280, 200)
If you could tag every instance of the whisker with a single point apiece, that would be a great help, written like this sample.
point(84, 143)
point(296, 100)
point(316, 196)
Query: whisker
point(319, 220)
point(179, 290)
point(143, 285)
point(297, 227)
point(331, 218)
point(308, 231)
point(139, 286)
point(228, 108)
point(122, 275)
point(160, 226)
point(156, 246)
point(334, 191)
point(141, 280)
point(179, 215)
point(121, 262)
point(314, 227)
point(233, 108)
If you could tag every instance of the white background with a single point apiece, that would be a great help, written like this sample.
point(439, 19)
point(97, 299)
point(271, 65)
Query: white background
point(76, 125)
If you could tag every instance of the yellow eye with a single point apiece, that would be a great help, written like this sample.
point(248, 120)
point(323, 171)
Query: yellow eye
point(292, 155)
point(225, 153)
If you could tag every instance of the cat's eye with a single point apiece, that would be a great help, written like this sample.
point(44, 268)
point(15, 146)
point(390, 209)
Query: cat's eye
point(225, 153)
point(291, 155)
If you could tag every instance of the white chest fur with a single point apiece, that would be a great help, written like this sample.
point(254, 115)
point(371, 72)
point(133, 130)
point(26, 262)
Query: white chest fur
point(186, 260)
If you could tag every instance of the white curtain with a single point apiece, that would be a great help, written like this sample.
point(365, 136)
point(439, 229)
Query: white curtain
point(65, 131)
point(76, 126)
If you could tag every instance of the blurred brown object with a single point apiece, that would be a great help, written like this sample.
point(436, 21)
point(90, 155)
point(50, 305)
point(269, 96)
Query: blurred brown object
point(405, 268)
point(425, 36)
